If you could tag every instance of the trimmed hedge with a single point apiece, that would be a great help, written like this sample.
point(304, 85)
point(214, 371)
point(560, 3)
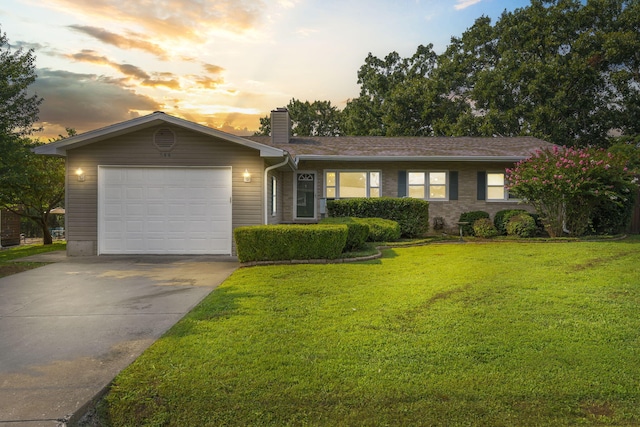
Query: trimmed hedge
point(287, 242)
point(382, 230)
point(411, 214)
point(378, 229)
point(471, 218)
point(357, 232)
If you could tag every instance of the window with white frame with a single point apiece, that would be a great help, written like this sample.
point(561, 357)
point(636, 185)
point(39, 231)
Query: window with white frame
point(346, 184)
point(274, 196)
point(496, 189)
point(428, 185)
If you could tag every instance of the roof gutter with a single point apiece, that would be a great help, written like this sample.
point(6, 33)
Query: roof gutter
point(337, 158)
point(266, 186)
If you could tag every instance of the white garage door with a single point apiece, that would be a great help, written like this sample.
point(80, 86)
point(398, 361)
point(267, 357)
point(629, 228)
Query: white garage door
point(146, 210)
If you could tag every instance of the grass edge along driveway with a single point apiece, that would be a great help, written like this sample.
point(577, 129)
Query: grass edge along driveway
point(525, 334)
point(10, 257)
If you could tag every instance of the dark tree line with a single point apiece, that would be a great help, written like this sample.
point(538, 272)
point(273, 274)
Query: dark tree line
point(560, 70)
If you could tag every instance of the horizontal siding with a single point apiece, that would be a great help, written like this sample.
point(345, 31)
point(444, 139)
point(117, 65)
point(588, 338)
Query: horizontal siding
point(278, 218)
point(137, 149)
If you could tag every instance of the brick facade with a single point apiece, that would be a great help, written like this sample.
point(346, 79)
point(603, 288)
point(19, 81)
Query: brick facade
point(450, 210)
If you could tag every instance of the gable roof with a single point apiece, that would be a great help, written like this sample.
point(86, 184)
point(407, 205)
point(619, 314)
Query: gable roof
point(378, 148)
point(59, 148)
point(340, 148)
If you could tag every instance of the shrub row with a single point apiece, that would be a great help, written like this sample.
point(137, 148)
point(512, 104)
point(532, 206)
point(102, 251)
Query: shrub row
point(287, 242)
point(378, 229)
point(357, 232)
point(470, 218)
point(511, 222)
point(411, 214)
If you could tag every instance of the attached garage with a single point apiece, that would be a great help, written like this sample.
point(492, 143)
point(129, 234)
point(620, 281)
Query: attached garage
point(164, 210)
point(159, 184)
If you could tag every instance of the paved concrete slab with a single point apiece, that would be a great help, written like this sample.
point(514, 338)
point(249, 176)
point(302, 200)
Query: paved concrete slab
point(66, 329)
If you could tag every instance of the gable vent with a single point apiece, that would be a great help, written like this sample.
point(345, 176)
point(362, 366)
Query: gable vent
point(164, 139)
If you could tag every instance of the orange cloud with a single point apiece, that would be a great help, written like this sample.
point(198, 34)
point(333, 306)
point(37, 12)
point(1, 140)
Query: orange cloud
point(157, 79)
point(170, 83)
point(213, 69)
point(208, 82)
point(133, 41)
point(170, 19)
point(130, 70)
point(88, 55)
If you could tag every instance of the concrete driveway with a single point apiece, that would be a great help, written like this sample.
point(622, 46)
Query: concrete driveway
point(66, 329)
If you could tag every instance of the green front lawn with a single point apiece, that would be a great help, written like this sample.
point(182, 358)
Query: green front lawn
point(8, 256)
point(495, 334)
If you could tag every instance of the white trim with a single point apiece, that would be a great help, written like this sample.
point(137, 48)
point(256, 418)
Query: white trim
point(505, 194)
point(274, 195)
point(427, 183)
point(337, 186)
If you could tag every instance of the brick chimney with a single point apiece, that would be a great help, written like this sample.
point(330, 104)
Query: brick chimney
point(280, 126)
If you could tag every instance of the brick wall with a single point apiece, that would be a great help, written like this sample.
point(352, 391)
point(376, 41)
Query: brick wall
point(449, 210)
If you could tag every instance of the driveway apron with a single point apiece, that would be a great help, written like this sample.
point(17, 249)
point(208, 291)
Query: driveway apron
point(68, 328)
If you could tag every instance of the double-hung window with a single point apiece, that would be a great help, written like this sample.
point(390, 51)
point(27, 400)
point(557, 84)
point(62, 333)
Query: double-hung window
point(496, 189)
point(432, 185)
point(346, 184)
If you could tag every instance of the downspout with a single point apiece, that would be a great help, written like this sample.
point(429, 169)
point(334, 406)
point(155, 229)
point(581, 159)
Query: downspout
point(266, 186)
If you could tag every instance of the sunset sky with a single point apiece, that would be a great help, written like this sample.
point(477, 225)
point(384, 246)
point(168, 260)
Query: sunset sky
point(222, 63)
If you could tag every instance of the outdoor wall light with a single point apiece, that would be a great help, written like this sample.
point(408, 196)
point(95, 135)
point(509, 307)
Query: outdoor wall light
point(246, 175)
point(80, 174)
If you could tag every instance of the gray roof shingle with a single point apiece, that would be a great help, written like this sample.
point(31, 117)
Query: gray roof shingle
point(388, 148)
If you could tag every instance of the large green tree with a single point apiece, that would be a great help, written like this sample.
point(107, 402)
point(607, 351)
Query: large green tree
point(18, 109)
point(400, 97)
point(30, 185)
point(567, 71)
point(562, 70)
point(317, 118)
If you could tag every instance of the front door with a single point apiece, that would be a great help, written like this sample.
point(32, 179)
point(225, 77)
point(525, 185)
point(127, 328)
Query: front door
point(305, 195)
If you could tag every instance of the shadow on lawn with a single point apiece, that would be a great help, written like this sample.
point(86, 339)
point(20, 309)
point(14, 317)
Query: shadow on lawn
point(389, 253)
point(220, 304)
